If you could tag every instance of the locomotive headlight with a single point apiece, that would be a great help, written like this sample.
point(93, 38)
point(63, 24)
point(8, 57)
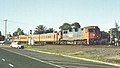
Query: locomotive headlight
point(93, 34)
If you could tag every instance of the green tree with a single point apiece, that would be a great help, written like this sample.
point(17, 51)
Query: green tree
point(76, 25)
point(18, 32)
point(50, 30)
point(65, 26)
point(40, 29)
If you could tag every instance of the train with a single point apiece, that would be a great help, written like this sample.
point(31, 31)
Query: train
point(87, 35)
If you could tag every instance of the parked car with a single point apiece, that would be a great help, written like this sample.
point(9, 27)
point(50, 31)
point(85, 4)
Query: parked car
point(2, 42)
point(16, 45)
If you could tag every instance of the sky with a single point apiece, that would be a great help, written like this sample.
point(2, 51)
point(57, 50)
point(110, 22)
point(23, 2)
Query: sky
point(27, 14)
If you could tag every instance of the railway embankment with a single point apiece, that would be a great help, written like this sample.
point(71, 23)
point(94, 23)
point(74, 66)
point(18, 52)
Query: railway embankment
point(103, 53)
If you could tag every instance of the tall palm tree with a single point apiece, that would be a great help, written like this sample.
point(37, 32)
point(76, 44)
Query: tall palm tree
point(40, 29)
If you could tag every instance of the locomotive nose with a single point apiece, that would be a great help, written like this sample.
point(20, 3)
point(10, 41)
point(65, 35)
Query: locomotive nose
point(95, 35)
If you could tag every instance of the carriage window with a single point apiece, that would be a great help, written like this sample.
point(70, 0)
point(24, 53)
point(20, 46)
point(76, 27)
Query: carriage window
point(49, 36)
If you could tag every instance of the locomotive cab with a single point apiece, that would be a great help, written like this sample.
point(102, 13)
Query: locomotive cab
point(94, 35)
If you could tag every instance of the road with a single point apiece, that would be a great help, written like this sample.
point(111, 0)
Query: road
point(12, 60)
point(30, 59)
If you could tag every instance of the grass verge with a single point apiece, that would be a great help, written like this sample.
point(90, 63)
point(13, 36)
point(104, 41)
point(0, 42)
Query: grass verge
point(102, 53)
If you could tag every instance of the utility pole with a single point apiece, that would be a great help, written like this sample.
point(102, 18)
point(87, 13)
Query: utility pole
point(5, 30)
